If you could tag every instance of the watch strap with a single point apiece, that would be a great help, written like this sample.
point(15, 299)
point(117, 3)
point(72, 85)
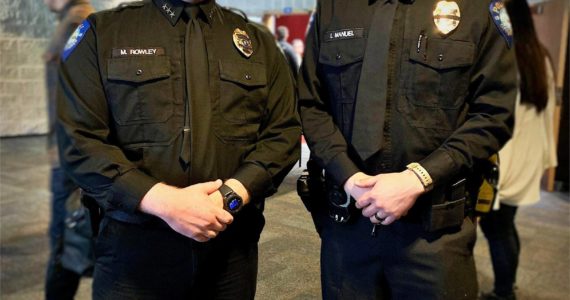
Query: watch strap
point(225, 190)
point(422, 175)
point(230, 198)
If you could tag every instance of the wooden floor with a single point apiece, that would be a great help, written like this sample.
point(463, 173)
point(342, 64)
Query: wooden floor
point(289, 248)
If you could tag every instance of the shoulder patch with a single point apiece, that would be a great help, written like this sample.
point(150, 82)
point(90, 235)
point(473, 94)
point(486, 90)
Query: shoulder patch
point(502, 21)
point(75, 38)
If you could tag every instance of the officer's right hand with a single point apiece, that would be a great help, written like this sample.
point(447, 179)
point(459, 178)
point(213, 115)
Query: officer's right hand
point(188, 211)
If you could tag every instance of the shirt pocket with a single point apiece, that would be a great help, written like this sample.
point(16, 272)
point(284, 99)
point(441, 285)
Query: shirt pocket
point(140, 90)
point(242, 91)
point(242, 100)
point(340, 65)
point(439, 73)
point(435, 83)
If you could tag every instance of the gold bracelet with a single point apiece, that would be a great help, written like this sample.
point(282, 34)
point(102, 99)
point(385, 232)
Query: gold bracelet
point(422, 175)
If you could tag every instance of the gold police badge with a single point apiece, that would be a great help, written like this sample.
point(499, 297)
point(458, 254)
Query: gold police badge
point(446, 16)
point(243, 42)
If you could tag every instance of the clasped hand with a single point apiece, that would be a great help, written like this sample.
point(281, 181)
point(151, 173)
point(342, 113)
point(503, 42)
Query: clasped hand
point(195, 211)
point(389, 196)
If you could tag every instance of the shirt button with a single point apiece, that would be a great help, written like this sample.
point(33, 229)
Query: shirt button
point(440, 57)
point(338, 56)
point(139, 72)
point(248, 77)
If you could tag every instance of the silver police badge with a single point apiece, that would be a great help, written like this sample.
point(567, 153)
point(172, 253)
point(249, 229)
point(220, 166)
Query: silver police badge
point(446, 16)
point(243, 42)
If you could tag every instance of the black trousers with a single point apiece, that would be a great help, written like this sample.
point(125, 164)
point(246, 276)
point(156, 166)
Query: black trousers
point(136, 261)
point(401, 262)
point(61, 283)
point(499, 228)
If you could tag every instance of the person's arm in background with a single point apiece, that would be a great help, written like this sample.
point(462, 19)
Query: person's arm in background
point(551, 160)
point(57, 42)
point(64, 29)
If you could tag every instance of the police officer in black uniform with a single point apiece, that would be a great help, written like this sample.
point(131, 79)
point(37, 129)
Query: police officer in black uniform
point(158, 101)
point(399, 102)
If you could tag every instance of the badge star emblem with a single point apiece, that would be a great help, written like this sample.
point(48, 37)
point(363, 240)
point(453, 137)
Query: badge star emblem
point(446, 16)
point(243, 42)
point(170, 12)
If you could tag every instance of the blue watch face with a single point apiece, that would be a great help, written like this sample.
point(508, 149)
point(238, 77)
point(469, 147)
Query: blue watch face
point(234, 204)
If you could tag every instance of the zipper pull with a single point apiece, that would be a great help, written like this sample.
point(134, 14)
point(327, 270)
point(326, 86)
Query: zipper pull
point(373, 233)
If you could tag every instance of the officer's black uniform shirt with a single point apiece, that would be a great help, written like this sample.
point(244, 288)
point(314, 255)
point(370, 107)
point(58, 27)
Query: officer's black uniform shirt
point(449, 98)
point(122, 106)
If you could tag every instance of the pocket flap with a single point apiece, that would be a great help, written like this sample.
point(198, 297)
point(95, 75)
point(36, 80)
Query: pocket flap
point(341, 53)
point(446, 215)
point(138, 69)
point(443, 54)
point(244, 73)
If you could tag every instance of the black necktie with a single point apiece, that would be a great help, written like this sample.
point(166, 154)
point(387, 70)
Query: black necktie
point(196, 60)
point(370, 109)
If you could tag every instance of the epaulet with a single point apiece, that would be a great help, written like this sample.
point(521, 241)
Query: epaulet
point(129, 4)
point(236, 11)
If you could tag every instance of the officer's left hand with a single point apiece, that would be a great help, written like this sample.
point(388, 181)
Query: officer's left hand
point(391, 196)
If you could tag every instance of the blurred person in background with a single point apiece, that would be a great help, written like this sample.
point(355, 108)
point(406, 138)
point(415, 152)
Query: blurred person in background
point(61, 281)
point(527, 155)
point(299, 47)
point(282, 35)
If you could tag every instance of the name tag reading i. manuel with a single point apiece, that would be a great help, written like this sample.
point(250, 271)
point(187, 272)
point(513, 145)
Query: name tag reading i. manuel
point(344, 34)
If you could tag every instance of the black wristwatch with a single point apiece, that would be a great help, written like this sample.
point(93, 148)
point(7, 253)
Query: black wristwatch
point(232, 201)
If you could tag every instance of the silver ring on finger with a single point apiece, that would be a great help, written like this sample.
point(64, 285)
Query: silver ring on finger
point(378, 218)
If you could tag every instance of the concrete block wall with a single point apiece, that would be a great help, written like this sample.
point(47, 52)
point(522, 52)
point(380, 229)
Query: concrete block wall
point(25, 27)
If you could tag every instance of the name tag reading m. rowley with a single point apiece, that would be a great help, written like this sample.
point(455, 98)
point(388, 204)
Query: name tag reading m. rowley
point(124, 52)
point(344, 34)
